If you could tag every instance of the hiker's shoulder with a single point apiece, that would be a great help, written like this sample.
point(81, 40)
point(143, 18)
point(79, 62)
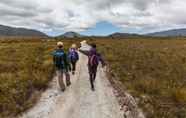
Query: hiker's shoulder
point(59, 51)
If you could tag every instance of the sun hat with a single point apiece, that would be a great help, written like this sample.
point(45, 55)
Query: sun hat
point(73, 45)
point(84, 41)
point(59, 43)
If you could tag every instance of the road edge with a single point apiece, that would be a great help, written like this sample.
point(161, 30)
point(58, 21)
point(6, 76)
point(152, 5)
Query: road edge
point(126, 101)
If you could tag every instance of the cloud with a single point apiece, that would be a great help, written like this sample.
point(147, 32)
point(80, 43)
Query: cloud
point(80, 15)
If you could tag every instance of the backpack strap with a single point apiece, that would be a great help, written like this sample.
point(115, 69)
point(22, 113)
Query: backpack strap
point(92, 59)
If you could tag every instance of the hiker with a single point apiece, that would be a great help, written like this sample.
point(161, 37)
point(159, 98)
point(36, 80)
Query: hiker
point(62, 65)
point(93, 61)
point(83, 49)
point(73, 57)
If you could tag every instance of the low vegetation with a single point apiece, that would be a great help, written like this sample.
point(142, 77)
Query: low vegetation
point(25, 71)
point(152, 70)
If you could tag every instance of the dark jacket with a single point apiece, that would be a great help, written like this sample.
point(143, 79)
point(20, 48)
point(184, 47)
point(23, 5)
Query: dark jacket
point(65, 64)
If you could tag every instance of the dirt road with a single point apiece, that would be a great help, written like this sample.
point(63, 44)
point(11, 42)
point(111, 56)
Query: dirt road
point(78, 101)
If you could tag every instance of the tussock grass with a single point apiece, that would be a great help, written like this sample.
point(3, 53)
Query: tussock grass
point(153, 70)
point(25, 70)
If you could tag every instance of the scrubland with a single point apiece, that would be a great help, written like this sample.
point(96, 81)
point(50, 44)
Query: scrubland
point(151, 69)
point(25, 70)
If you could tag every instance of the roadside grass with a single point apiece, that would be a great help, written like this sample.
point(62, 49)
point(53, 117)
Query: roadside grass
point(25, 71)
point(152, 70)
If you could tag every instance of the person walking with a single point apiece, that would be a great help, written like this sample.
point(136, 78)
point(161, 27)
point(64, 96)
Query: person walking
point(73, 57)
point(93, 61)
point(62, 66)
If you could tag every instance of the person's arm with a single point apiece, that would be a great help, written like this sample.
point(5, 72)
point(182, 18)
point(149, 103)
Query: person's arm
point(101, 60)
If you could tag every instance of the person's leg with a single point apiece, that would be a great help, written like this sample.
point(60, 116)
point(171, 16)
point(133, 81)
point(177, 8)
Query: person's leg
point(60, 80)
point(75, 63)
point(73, 67)
point(92, 81)
point(91, 77)
point(94, 73)
point(67, 75)
point(94, 76)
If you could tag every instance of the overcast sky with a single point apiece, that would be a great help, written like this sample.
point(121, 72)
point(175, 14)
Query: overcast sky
point(56, 16)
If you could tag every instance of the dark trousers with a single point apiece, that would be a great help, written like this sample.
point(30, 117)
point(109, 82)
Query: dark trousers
point(92, 75)
point(73, 64)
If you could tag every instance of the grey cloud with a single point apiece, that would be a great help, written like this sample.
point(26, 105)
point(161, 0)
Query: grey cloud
point(142, 4)
point(24, 4)
point(79, 15)
point(104, 4)
point(18, 13)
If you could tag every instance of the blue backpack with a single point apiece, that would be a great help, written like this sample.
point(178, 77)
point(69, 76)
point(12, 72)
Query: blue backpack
point(59, 59)
point(73, 55)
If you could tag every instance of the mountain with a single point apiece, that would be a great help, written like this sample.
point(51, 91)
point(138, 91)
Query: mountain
point(6, 31)
point(172, 33)
point(122, 35)
point(71, 35)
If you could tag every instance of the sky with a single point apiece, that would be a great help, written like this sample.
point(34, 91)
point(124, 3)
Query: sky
point(94, 17)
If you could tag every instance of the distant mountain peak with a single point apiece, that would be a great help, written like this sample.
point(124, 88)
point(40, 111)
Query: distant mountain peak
point(119, 34)
point(171, 33)
point(6, 31)
point(71, 34)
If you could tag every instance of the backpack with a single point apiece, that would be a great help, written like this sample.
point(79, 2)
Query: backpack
point(94, 60)
point(73, 55)
point(59, 59)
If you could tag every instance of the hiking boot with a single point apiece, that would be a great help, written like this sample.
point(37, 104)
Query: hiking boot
point(68, 84)
point(92, 86)
point(61, 84)
point(93, 89)
point(62, 89)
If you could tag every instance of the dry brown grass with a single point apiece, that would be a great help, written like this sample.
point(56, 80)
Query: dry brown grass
point(153, 70)
point(25, 69)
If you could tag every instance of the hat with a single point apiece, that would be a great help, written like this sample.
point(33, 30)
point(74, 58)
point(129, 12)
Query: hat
point(84, 41)
point(59, 43)
point(73, 45)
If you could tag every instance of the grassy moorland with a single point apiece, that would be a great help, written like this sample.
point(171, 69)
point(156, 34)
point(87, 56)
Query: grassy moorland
point(153, 70)
point(25, 71)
